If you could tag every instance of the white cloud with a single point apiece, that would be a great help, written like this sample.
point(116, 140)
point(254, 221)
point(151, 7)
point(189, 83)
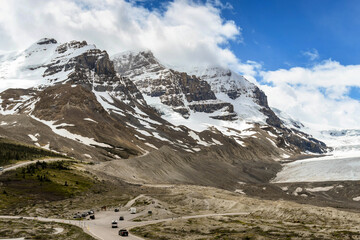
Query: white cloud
point(316, 95)
point(184, 32)
point(249, 69)
point(220, 4)
point(312, 54)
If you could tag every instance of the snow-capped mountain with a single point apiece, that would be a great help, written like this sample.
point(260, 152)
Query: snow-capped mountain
point(79, 102)
point(249, 102)
point(180, 91)
point(90, 86)
point(345, 142)
point(212, 88)
point(207, 98)
point(287, 120)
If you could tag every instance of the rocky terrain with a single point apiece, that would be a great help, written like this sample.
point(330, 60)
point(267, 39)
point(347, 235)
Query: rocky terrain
point(259, 219)
point(249, 215)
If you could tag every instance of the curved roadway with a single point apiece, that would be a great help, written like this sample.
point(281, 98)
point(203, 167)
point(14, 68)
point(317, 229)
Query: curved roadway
point(100, 228)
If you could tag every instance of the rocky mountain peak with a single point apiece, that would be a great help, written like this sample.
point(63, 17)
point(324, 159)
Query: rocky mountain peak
point(71, 45)
point(45, 41)
point(76, 62)
point(224, 80)
point(248, 99)
point(71, 58)
point(133, 64)
point(179, 90)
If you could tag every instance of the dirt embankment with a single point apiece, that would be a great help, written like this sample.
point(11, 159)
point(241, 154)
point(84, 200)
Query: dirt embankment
point(221, 167)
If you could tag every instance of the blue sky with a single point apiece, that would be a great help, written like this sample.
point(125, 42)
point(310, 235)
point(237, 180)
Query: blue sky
point(277, 33)
point(282, 34)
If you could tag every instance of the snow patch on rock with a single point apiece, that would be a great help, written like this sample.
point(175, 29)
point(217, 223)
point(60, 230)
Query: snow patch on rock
point(65, 133)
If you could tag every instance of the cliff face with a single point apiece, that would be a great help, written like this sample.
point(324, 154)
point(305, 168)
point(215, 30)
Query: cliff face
point(176, 89)
point(247, 97)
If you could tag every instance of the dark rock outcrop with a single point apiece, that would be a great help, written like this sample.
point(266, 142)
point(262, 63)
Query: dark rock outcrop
point(45, 41)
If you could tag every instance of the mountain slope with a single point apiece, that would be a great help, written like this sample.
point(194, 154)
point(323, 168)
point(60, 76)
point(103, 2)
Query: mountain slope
point(250, 103)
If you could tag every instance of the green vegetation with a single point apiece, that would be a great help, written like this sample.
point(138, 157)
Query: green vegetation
point(59, 189)
point(31, 229)
point(141, 202)
point(41, 182)
point(10, 151)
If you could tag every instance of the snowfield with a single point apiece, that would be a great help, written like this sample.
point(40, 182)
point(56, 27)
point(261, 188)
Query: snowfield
point(65, 133)
point(320, 170)
point(26, 68)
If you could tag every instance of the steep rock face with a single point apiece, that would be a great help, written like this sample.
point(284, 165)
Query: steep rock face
point(176, 89)
point(47, 63)
point(225, 81)
point(286, 138)
point(246, 96)
point(46, 41)
point(80, 63)
point(132, 64)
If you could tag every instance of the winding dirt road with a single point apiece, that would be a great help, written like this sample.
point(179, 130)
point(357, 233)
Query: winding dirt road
point(23, 164)
point(101, 229)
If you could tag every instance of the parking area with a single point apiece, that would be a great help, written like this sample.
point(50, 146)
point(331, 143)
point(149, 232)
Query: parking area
point(102, 227)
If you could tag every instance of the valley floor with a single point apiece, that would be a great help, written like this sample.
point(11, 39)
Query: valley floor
point(193, 212)
point(278, 210)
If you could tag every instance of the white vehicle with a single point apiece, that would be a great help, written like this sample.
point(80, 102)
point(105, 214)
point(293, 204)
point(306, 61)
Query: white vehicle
point(132, 210)
point(1, 169)
point(114, 224)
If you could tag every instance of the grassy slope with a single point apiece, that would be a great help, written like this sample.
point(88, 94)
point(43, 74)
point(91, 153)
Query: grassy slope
point(41, 182)
point(11, 152)
point(34, 190)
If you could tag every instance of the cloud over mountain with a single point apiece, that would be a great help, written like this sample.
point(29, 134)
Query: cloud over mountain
point(319, 94)
point(182, 32)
